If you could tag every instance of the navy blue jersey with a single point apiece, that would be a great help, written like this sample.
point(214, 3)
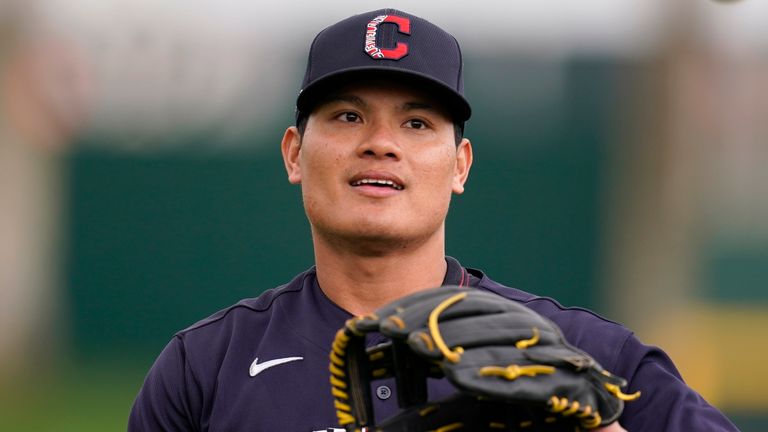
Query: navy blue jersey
point(262, 365)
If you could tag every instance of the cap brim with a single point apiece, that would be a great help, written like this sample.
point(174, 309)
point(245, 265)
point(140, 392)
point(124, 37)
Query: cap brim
point(308, 98)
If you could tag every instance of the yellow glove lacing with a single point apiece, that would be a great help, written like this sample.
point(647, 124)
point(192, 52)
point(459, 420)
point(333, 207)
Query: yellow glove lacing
point(339, 377)
point(616, 391)
point(455, 355)
point(590, 418)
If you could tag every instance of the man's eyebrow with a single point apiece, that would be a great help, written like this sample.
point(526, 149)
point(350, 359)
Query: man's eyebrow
point(409, 106)
point(361, 103)
point(340, 97)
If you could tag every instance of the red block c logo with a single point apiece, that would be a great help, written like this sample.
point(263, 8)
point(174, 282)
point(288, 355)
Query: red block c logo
point(400, 50)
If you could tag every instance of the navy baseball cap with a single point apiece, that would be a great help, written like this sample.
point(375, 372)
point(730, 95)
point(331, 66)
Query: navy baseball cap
point(390, 44)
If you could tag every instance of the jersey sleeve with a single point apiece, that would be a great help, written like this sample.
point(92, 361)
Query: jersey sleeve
point(667, 403)
point(169, 399)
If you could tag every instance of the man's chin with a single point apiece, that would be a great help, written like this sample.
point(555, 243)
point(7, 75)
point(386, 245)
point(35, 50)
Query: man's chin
point(371, 242)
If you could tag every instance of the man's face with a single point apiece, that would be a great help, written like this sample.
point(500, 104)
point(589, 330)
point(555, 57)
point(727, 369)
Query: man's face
point(377, 164)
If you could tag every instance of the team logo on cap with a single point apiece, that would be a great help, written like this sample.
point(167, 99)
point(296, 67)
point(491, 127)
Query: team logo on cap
point(396, 53)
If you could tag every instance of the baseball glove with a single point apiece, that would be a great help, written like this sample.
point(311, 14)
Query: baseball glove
point(512, 368)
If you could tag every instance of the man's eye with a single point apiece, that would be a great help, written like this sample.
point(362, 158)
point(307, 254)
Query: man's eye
point(416, 124)
point(349, 117)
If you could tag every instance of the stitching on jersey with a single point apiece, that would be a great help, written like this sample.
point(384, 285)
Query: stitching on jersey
point(277, 292)
point(187, 367)
point(570, 308)
point(324, 349)
point(619, 356)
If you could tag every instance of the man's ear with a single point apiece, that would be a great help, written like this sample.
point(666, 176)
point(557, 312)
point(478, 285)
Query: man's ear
point(291, 149)
point(463, 164)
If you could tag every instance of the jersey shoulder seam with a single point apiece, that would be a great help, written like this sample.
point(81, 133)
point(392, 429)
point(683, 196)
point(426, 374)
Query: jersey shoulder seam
point(527, 298)
point(620, 352)
point(571, 308)
point(274, 293)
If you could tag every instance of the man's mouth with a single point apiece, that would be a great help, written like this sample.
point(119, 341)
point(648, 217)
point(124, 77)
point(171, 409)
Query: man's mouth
point(378, 183)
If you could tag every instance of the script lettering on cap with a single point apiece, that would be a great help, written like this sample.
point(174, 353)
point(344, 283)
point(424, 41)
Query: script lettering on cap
point(400, 50)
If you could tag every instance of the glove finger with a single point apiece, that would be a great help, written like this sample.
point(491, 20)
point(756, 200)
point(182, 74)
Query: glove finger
point(473, 302)
point(609, 404)
point(483, 330)
point(505, 373)
point(525, 385)
point(561, 356)
point(427, 297)
point(371, 322)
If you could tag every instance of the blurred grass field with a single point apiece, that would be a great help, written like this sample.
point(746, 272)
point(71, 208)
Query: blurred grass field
point(80, 397)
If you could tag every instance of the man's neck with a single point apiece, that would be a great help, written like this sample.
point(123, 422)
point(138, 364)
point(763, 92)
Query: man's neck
point(361, 283)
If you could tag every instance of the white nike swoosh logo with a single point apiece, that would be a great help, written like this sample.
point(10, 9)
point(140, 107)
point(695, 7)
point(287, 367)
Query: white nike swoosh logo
point(257, 368)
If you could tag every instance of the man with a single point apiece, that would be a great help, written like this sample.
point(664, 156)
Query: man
point(378, 150)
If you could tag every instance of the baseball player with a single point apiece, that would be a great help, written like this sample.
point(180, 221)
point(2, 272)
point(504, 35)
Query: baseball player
point(378, 150)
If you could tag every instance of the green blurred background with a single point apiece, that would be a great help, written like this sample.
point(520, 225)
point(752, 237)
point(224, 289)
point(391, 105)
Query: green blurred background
point(604, 181)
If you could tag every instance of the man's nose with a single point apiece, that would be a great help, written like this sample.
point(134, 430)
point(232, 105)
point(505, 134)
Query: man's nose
point(380, 142)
